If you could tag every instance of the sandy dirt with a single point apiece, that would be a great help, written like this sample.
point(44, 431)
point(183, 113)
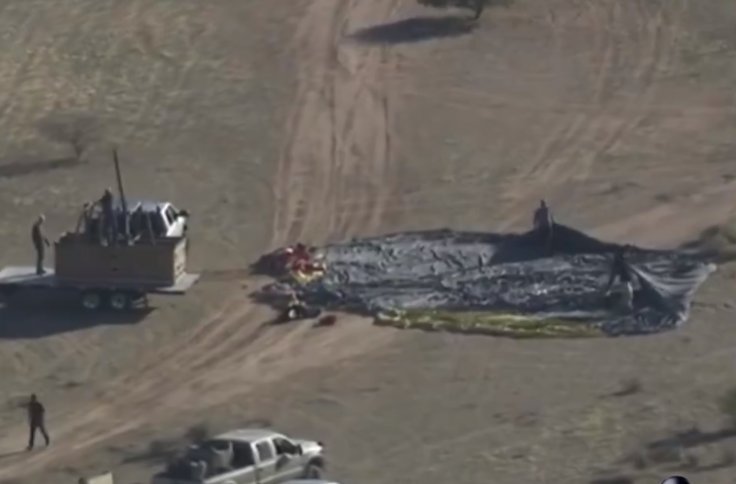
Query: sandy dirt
point(317, 120)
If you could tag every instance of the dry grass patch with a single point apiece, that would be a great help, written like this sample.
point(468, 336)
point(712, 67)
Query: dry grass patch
point(489, 323)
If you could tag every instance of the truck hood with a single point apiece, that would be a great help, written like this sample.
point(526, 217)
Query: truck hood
point(310, 447)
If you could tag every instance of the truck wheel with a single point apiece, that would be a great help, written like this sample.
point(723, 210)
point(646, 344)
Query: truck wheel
point(313, 471)
point(91, 300)
point(119, 301)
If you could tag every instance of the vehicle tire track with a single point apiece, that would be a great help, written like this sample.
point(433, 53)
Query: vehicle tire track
point(552, 154)
point(338, 138)
point(572, 151)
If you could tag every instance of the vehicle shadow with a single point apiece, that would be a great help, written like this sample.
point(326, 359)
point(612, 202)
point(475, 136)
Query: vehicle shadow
point(30, 316)
point(415, 29)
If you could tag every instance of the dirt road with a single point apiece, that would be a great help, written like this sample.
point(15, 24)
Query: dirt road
point(339, 148)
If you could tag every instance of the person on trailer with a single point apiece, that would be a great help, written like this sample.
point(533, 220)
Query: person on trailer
point(109, 224)
point(138, 223)
point(40, 242)
point(84, 223)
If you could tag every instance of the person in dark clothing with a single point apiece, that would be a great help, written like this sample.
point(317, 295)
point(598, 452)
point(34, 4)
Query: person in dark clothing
point(137, 223)
point(621, 273)
point(40, 242)
point(36, 421)
point(109, 224)
point(543, 224)
point(84, 222)
point(619, 268)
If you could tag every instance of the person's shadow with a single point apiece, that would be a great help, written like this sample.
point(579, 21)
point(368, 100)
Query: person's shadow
point(7, 455)
point(35, 314)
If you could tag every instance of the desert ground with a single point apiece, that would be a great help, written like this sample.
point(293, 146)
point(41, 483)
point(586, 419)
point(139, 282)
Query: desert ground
point(276, 121)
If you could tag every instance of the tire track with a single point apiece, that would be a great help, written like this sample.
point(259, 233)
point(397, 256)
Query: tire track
point(332, 156)
point(572, 151)
point(553, 154)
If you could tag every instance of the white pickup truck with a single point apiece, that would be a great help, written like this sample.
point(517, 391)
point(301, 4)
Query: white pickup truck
point(246, 456)
point(166, 220)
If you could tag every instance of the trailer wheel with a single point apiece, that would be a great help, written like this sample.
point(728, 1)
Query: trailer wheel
point(119, 301)
point(91, 300)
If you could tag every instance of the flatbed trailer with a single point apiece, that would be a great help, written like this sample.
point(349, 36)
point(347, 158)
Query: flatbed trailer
point(116, 295)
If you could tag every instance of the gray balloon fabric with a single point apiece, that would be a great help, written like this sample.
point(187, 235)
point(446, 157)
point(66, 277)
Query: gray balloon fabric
point(516, 273)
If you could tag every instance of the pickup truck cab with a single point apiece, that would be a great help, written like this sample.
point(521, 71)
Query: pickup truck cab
point(146, 218)
point(246, 456)
point(166, 220)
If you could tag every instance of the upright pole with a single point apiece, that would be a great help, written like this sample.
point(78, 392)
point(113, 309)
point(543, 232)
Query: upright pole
point(123, 202)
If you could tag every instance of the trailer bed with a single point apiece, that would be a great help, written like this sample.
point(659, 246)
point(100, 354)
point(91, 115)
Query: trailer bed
point(26, 277)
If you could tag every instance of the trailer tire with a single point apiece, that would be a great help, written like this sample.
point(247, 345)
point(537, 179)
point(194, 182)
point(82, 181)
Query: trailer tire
point(119, 301)
point(91, 300)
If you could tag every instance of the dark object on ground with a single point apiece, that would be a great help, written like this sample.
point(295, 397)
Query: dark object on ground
point(295, 312)
point(474, 271)
point(328, 320)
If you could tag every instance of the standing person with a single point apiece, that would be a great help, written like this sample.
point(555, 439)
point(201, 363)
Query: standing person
point(544, 224)
point(621, 273)
point(36, 421)
point(619, 269)
point(137, 223)
point(109, 224)
point(40, 242)
point(84, 220)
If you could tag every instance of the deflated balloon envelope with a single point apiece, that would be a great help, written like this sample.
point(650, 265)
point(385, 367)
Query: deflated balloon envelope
point(475, 271)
